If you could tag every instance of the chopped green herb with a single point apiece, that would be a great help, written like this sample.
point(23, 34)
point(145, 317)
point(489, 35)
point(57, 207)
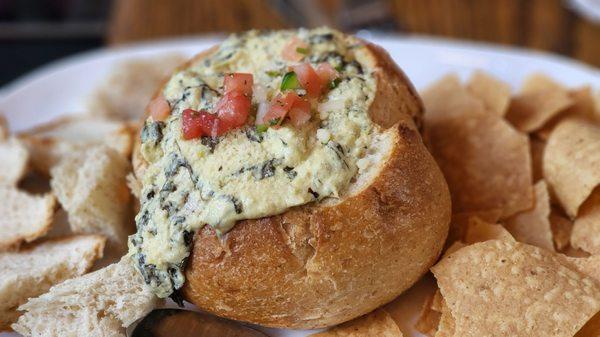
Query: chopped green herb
point(272, 73)
point(303, 51)
point(333, 84)
point(260, 128)
point(289, 81)
point(339, 67)
point(274, 121)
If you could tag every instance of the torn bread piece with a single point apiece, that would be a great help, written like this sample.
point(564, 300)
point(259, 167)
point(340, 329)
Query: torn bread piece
point(515, 289)
point(571, 161)
point(25, 217)
point(91, 186)
point(14, 157)
point(129, 87)
point(102, 303)
point(4, 130)
point(31, 271)
point(377, 323)
point(14, 160)
point(48, 144)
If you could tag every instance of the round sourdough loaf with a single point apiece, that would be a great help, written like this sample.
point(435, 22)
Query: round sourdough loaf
point(327, 262)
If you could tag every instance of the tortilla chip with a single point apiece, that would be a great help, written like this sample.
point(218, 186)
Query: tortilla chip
point(514, 289)
point(377, 323)
point(586, 229)
point(494, 93)
point(537, 153)
point(457, 245)
point(533, 226)
point(429, 319)
point(571, 161)
point(583, 103)
point(447, 325)
point(583, 106)
point(589, 266)
point(591, 328)
point(486, 162)
point(529, 112)
point(561, 229)
point(537, 82)
point(438, 301)
point(479, 231)
point(460, 223)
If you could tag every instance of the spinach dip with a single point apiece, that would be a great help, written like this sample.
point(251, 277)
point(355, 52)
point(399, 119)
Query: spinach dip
point(249, 172)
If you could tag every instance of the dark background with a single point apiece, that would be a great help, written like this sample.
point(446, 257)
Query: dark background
point(34, 32)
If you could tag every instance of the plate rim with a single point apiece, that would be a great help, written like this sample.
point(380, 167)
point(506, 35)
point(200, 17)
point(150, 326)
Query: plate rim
point(468, 46)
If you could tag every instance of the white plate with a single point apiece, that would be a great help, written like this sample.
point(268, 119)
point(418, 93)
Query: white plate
point(63, 86)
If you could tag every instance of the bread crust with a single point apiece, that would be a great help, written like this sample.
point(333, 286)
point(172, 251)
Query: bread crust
point(318, 265)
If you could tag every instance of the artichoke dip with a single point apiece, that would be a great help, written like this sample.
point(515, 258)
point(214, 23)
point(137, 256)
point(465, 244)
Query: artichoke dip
point(260, 167)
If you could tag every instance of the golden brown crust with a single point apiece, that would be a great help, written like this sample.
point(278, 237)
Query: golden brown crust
point(318, 265)
point(392, 82)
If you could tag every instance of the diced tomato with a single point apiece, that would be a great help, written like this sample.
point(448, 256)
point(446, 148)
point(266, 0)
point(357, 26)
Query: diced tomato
point(309, 79)
point(290, 51)
point(283, 104)
point(159, 108)
point(196, 124)
point(239, 82)
point(280, 105)
point(326, 73)
point(300, 112)
point(233, 108)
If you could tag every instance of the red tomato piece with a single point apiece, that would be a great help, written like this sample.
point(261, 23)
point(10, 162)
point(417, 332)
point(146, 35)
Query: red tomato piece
point(196, 124)
point(300, 112)
point(290, 103)
point(290, 51)
point(239, 82)
point(280, 105)
point(159, 108)
point(233, 109)
point(309, 79)
point(326, 73)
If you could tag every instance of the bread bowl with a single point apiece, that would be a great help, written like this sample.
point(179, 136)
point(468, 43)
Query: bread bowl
point(306, 228)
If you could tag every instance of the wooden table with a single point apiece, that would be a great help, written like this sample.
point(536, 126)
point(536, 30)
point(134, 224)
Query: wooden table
point(539, 24)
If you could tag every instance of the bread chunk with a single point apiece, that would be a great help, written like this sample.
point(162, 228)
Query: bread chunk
point(91, 186)
point(25, 217)
point(101, 303)
point(49, 143)
point(31, 271)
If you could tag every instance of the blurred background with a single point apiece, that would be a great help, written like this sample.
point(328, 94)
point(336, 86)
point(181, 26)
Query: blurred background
point(34, 32)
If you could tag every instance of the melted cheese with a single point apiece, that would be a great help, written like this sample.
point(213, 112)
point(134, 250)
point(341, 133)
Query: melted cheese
point(246, 174)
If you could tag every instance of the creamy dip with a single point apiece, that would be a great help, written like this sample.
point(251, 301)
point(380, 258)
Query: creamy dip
point(247, 173)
